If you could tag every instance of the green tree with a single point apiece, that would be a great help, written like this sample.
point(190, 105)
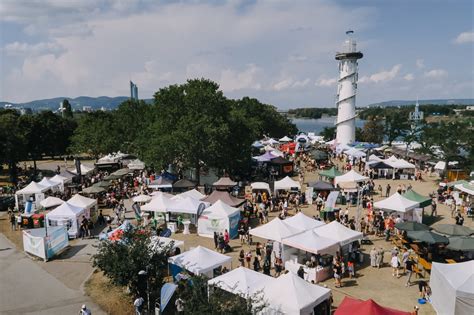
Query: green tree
point(328, 133)
point(396, 126)
point(12, 141)
point(373, 130)
point(67, 111)
point(131, 120)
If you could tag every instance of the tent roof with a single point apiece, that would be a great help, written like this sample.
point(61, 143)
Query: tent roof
point(458, 275)
point(81, 201)
point(319, 155)
point(142, 198)
point(339, 233)
point(159, 204)
point(220, 209)
point(48, 182)
point(242, 281)
point(285, 139)
point(193, 193)
point(224, 182)
point(93, 190)
point(84, 170)
point(280, 161)
point(266, 157)
point(136, 165)
point(330, 173)
point(292, 295)
point(184, 205)
point(354, 152)
point(286, 183)
point(51, 202)
point(467, 188)
point(184, 183)
point(32, 188)
point(379, 165)
point(260, 186)
point(199, 260)
point(65, 210)
point(224, 196)
point(352, 306)
point(312, 242)
point(414, 196)
point(121, 172)
point(321, 185)
point(300, 220)
point(374, 157)
point(351, 176)
point(396, 202)
point(275, 230)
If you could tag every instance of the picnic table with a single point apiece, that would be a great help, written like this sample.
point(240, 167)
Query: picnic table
point(425, 264)
point(450, 261)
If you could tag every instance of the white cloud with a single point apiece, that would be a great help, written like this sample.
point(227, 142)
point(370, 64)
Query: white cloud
point(409, 77)
point(382, 76)
point(232, 80)
point(326, 82)
point(283, 84)
point(302, 83)
point(420, 63)
point(17, 48)
point(436, 74)
point(465, 37)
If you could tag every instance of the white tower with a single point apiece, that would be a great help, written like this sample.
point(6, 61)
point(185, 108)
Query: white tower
point(346, 91)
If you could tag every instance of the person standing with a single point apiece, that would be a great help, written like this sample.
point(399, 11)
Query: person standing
point(226, 237)
point(387, 191)
point(256, 264)
point(373, 257)
point(138, 304)
point(433, 208)
point(248, 258)
point(266, 266)
point(242, 258)
point(395, 263)
point(241, 234)
point(301, 272)
point(459, 219)
point(13, 221)
point(405, 257)
point(379, 259)
point(409, 268)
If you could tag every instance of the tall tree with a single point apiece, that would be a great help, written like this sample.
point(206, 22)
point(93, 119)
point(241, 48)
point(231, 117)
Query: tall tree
point(396, 126)
point(12, 141)
point(373, 130)
point(67, 109)
point(131, 119)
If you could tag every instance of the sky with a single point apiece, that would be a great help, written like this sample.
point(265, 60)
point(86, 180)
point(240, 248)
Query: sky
point(280, 52)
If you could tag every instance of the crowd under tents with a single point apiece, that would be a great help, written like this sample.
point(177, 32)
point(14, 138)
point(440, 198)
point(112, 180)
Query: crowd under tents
point(350, 306)
point(409, 210)
point(218, 218)
point(219, 195)
point(261, 186)
point(452, 287)
point(286, 184)
point(199, 261)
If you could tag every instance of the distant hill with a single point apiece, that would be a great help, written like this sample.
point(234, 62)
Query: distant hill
point(76, 103)
point(460, 101)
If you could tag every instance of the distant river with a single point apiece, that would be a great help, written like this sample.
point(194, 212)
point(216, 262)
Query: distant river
point(317, 125)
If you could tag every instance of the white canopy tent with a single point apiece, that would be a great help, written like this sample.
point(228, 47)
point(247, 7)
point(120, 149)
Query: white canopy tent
point(142, 198)
point(60, 179)
point(338, 232)
point(87, 203)
point(286, 184)
point(51, 202)
point(217, 218)
point(285, 139)
point(374, 158)
point(350, 177)
point(66, 215)
point(354, 153)
point(261, 186)
point(185, 205)
point(136, 165)
point(32, 189)
point(200, 261)
point(84, 170)
point(242, 281)
point(289, 294)
point(302, 221)
point(193, 193)
point(312, 242)
point(275, 230)
point(396, 202)
point(47, 182)
point(158, 204)
point(452, 287)
point(467, 188)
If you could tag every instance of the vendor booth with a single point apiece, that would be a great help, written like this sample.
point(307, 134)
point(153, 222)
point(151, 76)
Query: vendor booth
point(285, 296)
point(261, 187)
point(350, 306)
point(67, 215)
point(407, 209)
point(86, 203)
point(452, 287)
point(199, 261)
point(286, 184)
point(338, 232)
point(302, 221)
point(45, 243)
point(220, 195)
point(30, 196)
point(218, 218)
point(62, 180)
point(51, 202)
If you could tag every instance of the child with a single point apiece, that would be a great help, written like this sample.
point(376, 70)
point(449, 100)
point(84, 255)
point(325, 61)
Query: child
point(350, 268)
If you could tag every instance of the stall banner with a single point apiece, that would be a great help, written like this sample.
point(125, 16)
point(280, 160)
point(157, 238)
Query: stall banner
point(234, 225)
point(309, 195)
point(56, 241)
point(248, 192)
point(331, 201)
point(33, 245)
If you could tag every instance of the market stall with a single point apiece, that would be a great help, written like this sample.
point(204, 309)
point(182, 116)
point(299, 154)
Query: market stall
point(286, 184)
point(218, 218)
point(67, 215)
point(30, 196)
point(407, 209)
point(89, 204)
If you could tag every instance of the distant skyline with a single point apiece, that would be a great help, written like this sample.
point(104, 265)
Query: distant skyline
point(281, 52)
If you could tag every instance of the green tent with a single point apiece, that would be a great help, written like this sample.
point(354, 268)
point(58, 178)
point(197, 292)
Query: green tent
point(414, 196)
point(464, 243)
point(428, 237)
point(330, 173)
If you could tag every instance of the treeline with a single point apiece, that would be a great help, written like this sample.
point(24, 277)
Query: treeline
point(314, 113)
point(190, 125)
point(428, 110)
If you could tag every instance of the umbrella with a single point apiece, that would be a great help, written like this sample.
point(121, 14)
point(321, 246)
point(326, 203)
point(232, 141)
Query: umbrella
point(463, 243)
point(453, 229)
point(93, 190)
point(412, 226)
point(103, 184)
point(428, 237)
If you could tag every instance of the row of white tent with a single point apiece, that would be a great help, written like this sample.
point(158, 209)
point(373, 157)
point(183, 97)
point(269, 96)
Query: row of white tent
point(37, 189)
point(392, 162)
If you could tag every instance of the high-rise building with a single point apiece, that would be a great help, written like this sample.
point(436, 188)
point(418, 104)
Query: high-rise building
point(133, 91)
point(346, 91)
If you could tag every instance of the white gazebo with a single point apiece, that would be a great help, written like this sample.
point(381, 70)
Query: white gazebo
point(159, 203)
point(350, 177)
point(200, 261)
point(47, 182)
point(89, 204)
point(286, 184)
point(217, 218)
point(338, 232)
point(302, 221)
point(466, 188)
point(193, 193)
point(275, 230)
point(33, 189)
point(312, 242)
point(407, 209)
point(66, 215)
point(51, 202)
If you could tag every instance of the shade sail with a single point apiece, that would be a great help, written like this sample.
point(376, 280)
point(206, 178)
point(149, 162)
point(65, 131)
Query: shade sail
point(199, 260)
point(142, 198)
point(275, 230)
point(412, 226)
point(350, 306)
point(184, 183)
point(453, 229)
point(286, 184)
point(428, 237)
point(339, 233)
point(51, 202)
point(321, 185)
point(289, 294)
point(414, 196)
point(350, 177)
point(312, 242)
point(103, 184)
point(452, 287)
point(396, 202)
point(242, 281)
point(224, 182)
point(32, 188)
point(463, 243)
point(224, 196)
point(302, 221)
point(330, 173)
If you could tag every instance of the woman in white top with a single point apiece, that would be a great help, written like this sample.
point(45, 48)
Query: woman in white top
point(395, 265)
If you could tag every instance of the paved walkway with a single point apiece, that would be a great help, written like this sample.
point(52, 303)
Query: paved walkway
point(27, 288)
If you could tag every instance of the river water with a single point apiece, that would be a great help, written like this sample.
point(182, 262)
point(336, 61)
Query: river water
point(317, 125)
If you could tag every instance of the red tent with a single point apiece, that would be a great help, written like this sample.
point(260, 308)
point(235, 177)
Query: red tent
point(351, 306)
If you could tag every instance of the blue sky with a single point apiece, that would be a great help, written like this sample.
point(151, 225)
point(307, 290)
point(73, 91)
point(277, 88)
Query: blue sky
point(281, 52)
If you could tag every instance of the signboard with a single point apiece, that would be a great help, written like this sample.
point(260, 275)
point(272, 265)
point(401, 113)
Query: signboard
point(37, 243)
point(331, 201)
point(248, 192)
point(309, 195)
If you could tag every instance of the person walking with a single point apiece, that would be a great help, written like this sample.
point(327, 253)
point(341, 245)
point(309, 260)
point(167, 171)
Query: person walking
point(395, 263)
point(405, 256)
point(84, 310)
point(409, 268)
point(248, 258)
point(13, 221)
point(373, 257)
point(216, 240)
point(433, 208)
point(241, 234)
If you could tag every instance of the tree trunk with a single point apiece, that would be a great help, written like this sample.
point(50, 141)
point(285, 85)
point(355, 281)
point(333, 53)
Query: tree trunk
point(13, 172)
point(198, 173)
point(34, 166)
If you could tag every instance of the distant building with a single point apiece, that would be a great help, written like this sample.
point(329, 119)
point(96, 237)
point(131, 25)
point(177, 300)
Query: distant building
point(133, 91)
point(469, 107)
point(417, 115)
point(87, 109)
